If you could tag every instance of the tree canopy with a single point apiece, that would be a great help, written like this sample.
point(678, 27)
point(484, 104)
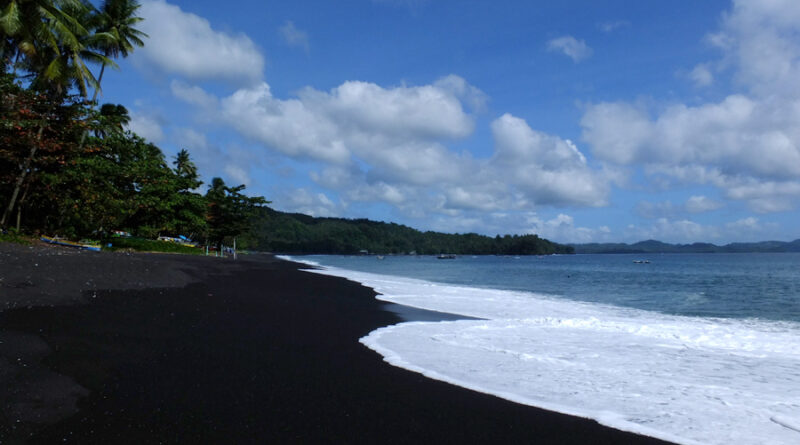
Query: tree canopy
point(70, 168)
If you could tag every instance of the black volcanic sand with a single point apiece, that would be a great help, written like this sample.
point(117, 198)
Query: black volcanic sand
point(206, 350)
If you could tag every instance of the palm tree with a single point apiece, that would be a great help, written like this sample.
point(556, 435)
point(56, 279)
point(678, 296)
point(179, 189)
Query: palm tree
point(117, 18)
point(184, 167)
point(112, 119)
point(28, 25)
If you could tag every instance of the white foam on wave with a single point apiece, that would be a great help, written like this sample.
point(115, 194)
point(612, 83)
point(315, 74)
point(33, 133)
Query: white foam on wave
point(296, 260)
point(682, 379)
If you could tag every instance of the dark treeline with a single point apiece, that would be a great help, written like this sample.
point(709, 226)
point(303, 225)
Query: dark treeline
point(69, 169)
point(296, 233)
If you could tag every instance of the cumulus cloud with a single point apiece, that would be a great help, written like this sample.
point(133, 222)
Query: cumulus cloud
point(747, 144)
point(236, 174)
point(398, 129)
point(185, 44)
point(749, 223)
point(193, 95)
point(702, 204)
point(546, 167)
point(293, 36)
point(304, 201)
point(701, 75)
point(147, 126)
point(562, 228)
point(528, 169)
point(460, 88)
point(571, 47)
point(391, 145)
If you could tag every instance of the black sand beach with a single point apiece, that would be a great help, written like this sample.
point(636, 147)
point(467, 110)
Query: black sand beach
point(146, 348)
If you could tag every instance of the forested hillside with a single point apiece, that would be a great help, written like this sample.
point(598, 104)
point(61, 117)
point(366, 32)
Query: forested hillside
point(276, 231)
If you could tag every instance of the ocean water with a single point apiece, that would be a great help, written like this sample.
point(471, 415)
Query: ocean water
point(689, 348)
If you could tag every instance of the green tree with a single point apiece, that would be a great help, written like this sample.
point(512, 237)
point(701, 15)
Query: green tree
point(111, 119)
point(27, 26)
point(189, 217)
point(117, 19)
point(22, 113)
point(229, 211)
point(50, 39)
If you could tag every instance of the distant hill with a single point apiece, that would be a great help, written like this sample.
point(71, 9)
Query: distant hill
point(653, 246)
point(281, 232)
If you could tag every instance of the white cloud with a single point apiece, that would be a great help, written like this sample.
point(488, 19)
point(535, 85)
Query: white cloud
point(747, 144)
point(236, 174)
point(528, 169)
point(702, 204)
point(701, 75)
point(762, 196)
point(749, 223)
point(613, 25)
point(546, 168)
point(760, 37)
point(469, 94)
point(303, 201)
point(765, 197)
point(293, 36)
point(185, 44)
point(396, 128)
point(562, 229)
point(390, 145)
point(146, 126)
point(193, 95)
point(571, 47)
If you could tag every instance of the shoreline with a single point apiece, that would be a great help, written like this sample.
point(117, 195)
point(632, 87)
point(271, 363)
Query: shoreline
point(197, 349)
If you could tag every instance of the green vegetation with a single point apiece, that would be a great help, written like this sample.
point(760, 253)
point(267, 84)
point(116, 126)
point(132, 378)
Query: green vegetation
point(68, 167)
point(146, 245)
point(295, 233)
point(13, 237)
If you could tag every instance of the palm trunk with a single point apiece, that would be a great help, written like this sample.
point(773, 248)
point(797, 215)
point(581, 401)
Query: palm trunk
point(21, 178)
point(99, 80)
point(22, 203)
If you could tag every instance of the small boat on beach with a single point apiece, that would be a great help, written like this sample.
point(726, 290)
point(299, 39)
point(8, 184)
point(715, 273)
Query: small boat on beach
point(62, 242)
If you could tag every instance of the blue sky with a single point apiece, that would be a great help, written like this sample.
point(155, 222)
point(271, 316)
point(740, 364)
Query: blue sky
point(580, 121)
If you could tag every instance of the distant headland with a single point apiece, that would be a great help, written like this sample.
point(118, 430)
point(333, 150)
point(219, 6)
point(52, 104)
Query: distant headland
point(653, 246)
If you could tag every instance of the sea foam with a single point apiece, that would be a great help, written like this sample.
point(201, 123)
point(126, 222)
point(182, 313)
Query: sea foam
point(683, 379)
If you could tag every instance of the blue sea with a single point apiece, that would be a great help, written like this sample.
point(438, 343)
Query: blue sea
point(691, 348)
